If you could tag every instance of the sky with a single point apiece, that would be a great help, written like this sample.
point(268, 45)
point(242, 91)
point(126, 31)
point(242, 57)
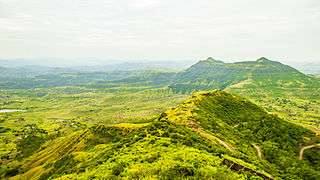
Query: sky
point(231, 30)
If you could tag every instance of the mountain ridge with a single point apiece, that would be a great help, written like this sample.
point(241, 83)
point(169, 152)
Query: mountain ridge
point(215, 74)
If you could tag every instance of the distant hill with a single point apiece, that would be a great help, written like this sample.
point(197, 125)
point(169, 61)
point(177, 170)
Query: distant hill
point(31, 71)
point(309, 68)
point(34, 76)
point(94, 64)
point(26, 78)
point(211, 135)
point(215, 74)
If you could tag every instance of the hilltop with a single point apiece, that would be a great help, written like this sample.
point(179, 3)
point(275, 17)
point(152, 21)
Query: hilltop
point(215, 74)
point(211, 135)
point(243, 128)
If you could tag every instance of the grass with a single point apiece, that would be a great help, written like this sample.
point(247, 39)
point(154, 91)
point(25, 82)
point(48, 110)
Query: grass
point(63, 110)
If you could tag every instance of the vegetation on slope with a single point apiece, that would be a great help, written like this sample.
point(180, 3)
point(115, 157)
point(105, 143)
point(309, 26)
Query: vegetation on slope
point(55, 112)
point(178, 144)
point(241, 124)
point(214, 74)
point(159, 149)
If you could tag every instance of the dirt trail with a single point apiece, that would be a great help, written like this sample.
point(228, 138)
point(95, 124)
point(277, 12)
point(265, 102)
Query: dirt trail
point(213, 138)
point(195, 128)
point(258, 149)
point(305, 148)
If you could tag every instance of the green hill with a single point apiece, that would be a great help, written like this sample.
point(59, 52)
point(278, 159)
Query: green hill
point(214, 74)
point(211, 135)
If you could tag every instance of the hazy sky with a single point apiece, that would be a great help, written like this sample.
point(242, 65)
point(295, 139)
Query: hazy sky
point(161, 29)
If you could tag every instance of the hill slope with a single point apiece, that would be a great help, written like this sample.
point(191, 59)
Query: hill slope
point(210, 135)
point(214, 74)
point(244, 129)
